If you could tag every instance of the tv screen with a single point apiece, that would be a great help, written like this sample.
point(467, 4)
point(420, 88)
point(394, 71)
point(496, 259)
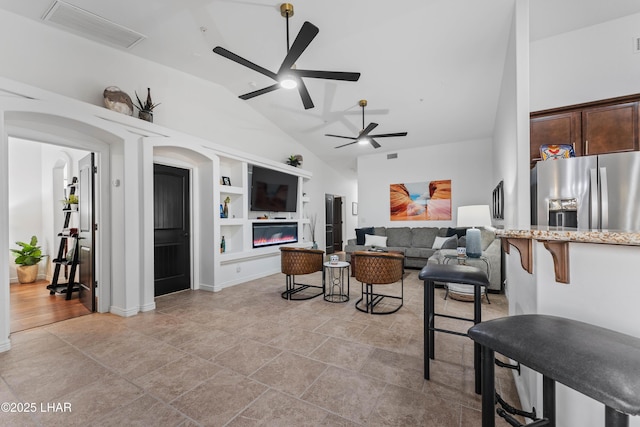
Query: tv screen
point(273, 191)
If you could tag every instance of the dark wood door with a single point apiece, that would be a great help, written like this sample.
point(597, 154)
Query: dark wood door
point(610, 129)
point(561, 128)
point(337, 224)
point(86, 232)
point(328, 219)
point(171, 213)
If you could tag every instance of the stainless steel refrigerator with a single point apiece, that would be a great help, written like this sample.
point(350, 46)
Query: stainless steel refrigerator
point(589, 193)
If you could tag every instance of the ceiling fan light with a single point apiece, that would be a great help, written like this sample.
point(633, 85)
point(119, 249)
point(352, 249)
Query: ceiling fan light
point(288, 82)
point(363, 141)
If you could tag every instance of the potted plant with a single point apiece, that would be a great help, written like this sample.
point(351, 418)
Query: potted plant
point(146, 108)
point(72, 201)
point(27, 259)
point(294, 160)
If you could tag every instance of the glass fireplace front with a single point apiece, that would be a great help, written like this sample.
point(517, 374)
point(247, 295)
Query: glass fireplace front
point(274, 234)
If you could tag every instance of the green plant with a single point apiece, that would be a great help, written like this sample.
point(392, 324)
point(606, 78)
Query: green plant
point(227, 200)
point(148, 105)
point(29, 254)
point(71, 200)
point(294, 160)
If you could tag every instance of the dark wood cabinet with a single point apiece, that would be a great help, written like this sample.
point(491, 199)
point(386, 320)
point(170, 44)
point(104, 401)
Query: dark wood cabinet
point(561, 128)
point(605, 126)
point(610, 129)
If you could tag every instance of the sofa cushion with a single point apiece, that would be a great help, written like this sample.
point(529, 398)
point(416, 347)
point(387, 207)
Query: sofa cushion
point(380, 231)
point(450, 243)
point(399, 236)
point(423, 237)
point(360, 232)
point(419, 252)
point(487, 237)
point(371, 240)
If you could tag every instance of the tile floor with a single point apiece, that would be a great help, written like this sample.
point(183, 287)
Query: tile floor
point(246, 357)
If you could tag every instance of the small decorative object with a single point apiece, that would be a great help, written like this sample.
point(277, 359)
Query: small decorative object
point(462, 251)
point(225, 209)
point(117, 100)
point(226, 180)
point(146, 108)
point(295, 160)
point(223, 245)
point(27, 259)
point(71, 202)
point(333, 259)
point(221, 211)
point(553, 152)
point(312, 225)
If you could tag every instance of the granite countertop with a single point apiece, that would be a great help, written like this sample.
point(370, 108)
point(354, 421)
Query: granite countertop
point(610, 237)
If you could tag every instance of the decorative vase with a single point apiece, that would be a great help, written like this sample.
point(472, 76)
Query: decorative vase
point(225, 210)
point(27, 273)
point(146, 115)
point(315, 245)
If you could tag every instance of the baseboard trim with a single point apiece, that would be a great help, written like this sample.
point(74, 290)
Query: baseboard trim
point(148, 307)
point(5, 345)
point(122, 312)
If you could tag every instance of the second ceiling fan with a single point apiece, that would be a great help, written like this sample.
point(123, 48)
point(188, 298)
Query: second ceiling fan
point(363, 136)
point(288, 76)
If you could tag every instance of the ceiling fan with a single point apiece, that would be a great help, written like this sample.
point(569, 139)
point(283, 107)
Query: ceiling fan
point(288, 76)
point(364, 136)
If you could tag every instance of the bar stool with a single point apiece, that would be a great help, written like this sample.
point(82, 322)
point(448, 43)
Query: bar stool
point(451, 273)
point(597, 362)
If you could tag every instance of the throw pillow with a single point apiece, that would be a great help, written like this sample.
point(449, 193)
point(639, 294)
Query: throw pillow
point(450, 243)
point(439, 241)
point(360, 233)
point(460, 232)
point(371, 240)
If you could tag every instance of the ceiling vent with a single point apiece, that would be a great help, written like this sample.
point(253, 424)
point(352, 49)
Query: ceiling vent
point(392, 156)
point(91, 26)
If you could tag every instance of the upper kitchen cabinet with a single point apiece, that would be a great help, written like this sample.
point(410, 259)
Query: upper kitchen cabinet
point(606, 126)
point(610, 129)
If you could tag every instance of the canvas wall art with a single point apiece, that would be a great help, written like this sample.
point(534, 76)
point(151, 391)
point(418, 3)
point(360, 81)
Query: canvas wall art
point(420, 201)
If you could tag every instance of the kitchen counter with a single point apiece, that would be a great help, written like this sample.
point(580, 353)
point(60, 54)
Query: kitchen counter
point(611, 237)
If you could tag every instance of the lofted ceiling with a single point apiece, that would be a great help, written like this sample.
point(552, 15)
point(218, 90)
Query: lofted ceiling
point(432, 68)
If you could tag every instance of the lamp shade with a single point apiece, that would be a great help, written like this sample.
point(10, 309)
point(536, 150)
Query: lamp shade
point(474, 216)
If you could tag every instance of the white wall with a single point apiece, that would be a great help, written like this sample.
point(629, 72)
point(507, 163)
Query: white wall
point(467, 164)
point(585, 65)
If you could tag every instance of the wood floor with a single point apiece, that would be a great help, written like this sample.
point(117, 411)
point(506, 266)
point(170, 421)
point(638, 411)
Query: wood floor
point(32, 306)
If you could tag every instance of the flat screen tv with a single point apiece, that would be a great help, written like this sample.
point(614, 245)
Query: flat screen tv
point(273, 191)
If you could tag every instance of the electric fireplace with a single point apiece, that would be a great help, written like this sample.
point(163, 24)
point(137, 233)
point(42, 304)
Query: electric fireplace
point(274, 234)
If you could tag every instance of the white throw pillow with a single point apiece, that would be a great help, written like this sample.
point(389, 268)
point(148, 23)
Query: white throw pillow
point(437, 244)
point(372, 240)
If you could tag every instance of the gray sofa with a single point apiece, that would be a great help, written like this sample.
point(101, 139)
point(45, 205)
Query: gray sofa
point(416, 243)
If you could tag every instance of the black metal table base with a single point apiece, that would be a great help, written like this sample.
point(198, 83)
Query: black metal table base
point(372, 299)
point(293, 289)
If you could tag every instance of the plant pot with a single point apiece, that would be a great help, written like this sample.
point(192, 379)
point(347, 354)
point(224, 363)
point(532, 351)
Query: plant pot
point(146, 115)
point(27, 273)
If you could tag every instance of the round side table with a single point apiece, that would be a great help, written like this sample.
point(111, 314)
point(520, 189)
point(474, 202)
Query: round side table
point(333, 281)
point(464, 292)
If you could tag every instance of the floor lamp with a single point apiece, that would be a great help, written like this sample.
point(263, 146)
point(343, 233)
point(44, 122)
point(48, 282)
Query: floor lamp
point(474, 216)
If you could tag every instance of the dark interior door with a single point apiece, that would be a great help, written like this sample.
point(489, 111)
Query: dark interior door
point(86, 232)
point(171, 213)
point(337, 224)
point(328, 204)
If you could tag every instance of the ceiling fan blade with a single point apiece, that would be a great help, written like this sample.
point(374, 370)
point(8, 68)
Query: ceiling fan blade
point(304, 94)
point(387, 135)
point(306, 35)
point(260, 91)
point(374, 143)
point(368, 129)
point(340, 136)
point(344, 145)
point(329, 75)
point(240, 60)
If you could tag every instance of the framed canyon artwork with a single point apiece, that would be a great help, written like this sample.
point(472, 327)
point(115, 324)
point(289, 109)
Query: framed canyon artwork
point(420, 201)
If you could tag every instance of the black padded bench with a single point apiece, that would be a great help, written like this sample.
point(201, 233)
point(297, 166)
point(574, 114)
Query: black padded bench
point(597, 362)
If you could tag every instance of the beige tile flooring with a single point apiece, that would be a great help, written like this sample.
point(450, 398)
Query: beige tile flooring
point(246, 357)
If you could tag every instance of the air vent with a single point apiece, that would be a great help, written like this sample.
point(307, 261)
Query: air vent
point(636, 45)
point(392, 156)
point(90, 25)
